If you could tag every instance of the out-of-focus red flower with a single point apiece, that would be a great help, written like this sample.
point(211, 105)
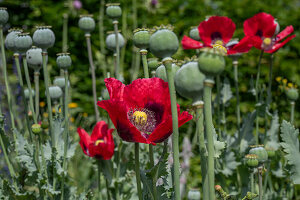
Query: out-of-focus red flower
point(141, 111)
point(216, 32)
point(262, 30)
point(77, 4)
point(100, 144)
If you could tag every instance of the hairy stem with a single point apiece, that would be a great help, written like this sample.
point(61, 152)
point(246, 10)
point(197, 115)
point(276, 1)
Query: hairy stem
point(137, 170)
point(117, 68)
point(37, 93)
point(292, 111)
point(237, 94)
point(269, 97)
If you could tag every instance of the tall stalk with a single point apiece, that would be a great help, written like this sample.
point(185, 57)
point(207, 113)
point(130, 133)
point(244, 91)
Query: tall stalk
point(99, 180)
point(218, 104)
point(237, 94)
point(143, 53)
point(117, 68)
point(175, 136)
point(202, 147)
point(65, 33)
point(37, 92)
point(137, 170)
point(208, 85)
point(269, 97)
point(260, 186)
point(101, 27)
point(292, 111)
point(92, 66)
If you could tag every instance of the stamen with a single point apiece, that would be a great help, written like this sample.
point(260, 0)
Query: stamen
point(98, 142)
point(220, 42)
point(267, 41)
point(140, 117)
point(220, 47)
point(143, 119)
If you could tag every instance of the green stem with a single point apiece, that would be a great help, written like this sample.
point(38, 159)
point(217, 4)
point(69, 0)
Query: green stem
point(252, 182)
point(292, 111)
point(43, 157)
point(269, 97)
point(208, 84)
point(117, 69)
point(89, 49)
point(107, 189)
point(175, 136)
point(99, 180)
point(37, 93)
point(143, 53)
point(260, 183)
point(236, 81)
point(202, 148)
point(65, 33)
point(154, 177)
point(101, 27)
point(8, 91)
point(29, 88)
point(9, 165)
point(66, 132)
point(218, 104)
point(137, 171)
point(267, 178)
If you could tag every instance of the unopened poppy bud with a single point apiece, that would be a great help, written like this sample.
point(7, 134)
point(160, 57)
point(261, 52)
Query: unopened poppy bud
point(23, 42)
point(36, 129)
point(10, 39)
point(86, 23)
point(45, 124)
point(163, 43)
point(141, 38)
point(211, 62)
point(161, 71)
point(292, 94)
point(113, 10)
point(153, 63)
point(271, 152)
point(111, 41)
point(260, 151)
point(194, 34)
point(3, 16)
point(26, 93)
point(63, 61)
point(55, 92)
point(43, 37)
point(218, 187)
point(189, 81)
point(194, 194)
point(34, 58)
point(251, 160)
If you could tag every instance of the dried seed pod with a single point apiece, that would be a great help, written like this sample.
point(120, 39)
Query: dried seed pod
point(86, 23)
point(43, 37)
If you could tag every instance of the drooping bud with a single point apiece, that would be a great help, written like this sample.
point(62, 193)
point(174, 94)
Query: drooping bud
point(162, 73)
point(211, 62)
point(260, 151)
point(163, 42)
point(194, 194)
point(55, 92)
point(3, 16)
point(86, 23)
point(10, 39)
point(43, 37)
point(251, 160)
point(34, 58)
point(141, 38)
point(36, 129)
point(23, 42)
point(111, 41)
point(113, 10)
point(63, 61)
point(194, 34)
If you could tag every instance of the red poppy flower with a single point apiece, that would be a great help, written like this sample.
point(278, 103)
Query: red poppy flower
point(100, 144)
point(216, 32)
point(262, 30)
point(141, 111)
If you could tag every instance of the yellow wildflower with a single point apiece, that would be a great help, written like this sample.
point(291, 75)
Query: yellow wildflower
point(72, 119)
point(45, 115)
point(42, 104)
point(284, 81)
point(290, 85)
point(278, 78)
point(85, 114)
point(73, 105)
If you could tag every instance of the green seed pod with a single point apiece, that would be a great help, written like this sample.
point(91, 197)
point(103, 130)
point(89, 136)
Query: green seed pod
point(161, 71)
point(86, 23)
point(63, 61)
point(26, 93)
point(189, 81)
point(55, 92)
point(60, 82)
point(251, 160)
point(271, 152)
point(292, 94)
point(163, 43)
point(10, 39)
point(43, 37)
point(3, 16)
point(23, 42)
point(194, 194)
point(34, 58)
point(36, 129)
point(211, 62)
point(153, 63)
point(194, 34)
point(111, 41)
point(45, 124)
point(141, 38)
point(113, 10)
point(262, 155)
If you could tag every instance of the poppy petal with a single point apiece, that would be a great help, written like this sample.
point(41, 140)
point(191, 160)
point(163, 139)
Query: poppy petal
point(216, 27)
point(115, 88)
point(99, 131)
point(242, 47)
point(85, 140)
point(288, 30)
point(189, 43)
point(277, 46)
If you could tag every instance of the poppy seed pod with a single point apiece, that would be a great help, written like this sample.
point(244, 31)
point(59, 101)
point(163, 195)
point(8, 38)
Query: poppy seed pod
point(260, 151)
point(292, 94)
point(86, 23)
point(194, 194)
point(251, 160)
point(162, 74)
point(3, 16)
point(36, 129)
point(211, 62)
point(113, 10)
point(23, 42)
point(26, 93)
point(63, 61)
point(271, 152)
point(34, 58)
point(153, 63)
point(55, 92)
point(43, 37)
point(141, 38)
point(163, 43)
point(60, 82)
point(189, 81)
point(111, 41)
point(194, 34)
point(10, 39)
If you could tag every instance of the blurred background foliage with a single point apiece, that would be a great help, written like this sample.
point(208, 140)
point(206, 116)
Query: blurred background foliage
point(182, 14)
